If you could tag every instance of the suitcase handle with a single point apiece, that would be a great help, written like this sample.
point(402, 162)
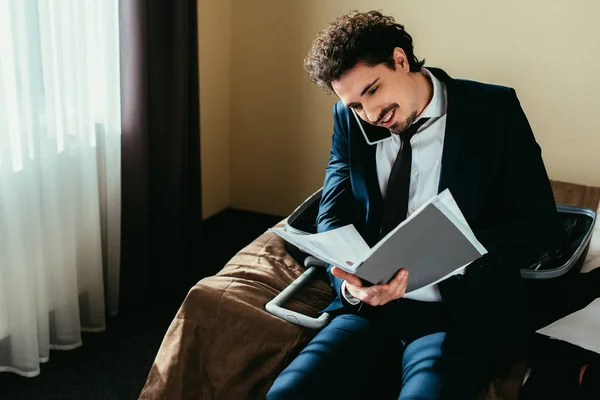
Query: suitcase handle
point(276, 308)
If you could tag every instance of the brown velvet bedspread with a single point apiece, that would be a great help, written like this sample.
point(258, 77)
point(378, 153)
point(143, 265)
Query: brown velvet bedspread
point(222, 344)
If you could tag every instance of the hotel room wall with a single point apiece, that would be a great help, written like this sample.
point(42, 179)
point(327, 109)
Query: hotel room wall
point(281, 125)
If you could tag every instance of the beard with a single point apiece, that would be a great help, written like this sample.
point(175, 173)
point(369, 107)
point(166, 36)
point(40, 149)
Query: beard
point(400, 127)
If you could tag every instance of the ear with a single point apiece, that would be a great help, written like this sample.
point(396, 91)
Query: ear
point(400, 59)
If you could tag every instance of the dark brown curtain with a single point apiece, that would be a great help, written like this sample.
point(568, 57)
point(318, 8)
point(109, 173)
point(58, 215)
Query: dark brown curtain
point(161, 194)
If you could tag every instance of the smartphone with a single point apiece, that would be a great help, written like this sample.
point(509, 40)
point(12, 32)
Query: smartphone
point(373, 134)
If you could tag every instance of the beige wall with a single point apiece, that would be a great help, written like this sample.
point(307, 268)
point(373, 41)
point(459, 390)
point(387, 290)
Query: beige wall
point(214, 46)
point(281, 124)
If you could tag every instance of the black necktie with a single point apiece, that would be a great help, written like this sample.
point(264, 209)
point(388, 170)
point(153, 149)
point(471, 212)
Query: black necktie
point(395, 205)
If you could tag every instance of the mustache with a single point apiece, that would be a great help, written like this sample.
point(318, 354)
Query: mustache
point(385, 111)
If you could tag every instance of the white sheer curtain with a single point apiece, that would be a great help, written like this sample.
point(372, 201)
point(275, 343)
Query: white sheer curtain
point(59, 175)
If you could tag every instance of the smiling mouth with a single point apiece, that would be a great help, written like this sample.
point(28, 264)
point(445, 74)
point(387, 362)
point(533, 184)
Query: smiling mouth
point(388, 118)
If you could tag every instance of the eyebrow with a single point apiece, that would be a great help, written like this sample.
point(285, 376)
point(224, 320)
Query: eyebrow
point(369, 86)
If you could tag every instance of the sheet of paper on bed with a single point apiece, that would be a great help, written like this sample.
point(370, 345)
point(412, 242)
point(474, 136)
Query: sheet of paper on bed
point(433, 243)
point(582, 328)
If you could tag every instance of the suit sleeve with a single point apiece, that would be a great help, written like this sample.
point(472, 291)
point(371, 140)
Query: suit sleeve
point(337, 200)
point(531, 224)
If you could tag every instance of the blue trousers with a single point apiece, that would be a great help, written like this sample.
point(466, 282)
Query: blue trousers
point(357, 358)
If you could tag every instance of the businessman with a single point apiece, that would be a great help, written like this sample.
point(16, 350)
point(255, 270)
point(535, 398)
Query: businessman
point(423, 132)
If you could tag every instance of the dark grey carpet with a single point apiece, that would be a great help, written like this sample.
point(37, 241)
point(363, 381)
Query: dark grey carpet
point(114, 364)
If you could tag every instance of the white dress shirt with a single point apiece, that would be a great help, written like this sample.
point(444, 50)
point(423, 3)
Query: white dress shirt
point(427, 146)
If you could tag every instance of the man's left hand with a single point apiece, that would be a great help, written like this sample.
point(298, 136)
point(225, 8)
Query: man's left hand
point(376, 295)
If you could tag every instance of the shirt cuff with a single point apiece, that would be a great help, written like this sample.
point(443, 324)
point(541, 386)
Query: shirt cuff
point(349, 298)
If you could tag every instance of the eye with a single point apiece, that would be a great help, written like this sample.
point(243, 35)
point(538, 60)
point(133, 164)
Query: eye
point(357, 107)
point(372, 91)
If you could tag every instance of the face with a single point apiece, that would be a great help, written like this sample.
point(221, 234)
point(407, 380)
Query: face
point(380, 95)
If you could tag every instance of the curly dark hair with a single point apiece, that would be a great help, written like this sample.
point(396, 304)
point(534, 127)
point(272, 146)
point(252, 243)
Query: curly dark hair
point(366, 37)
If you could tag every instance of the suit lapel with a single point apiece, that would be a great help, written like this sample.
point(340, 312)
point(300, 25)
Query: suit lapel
point(364, 170)
point(372, 181)
point(456, 121)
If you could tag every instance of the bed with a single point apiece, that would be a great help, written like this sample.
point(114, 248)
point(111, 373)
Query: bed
point(222, 344)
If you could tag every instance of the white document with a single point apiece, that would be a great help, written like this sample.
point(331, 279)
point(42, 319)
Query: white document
point(434, 243)
point(342, 246)
point(582, 328)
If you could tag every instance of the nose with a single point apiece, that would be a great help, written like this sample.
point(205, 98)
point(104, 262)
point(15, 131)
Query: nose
point(372, 115)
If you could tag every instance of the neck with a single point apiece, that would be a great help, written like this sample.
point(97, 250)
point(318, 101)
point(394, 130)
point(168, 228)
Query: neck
point(425, 91)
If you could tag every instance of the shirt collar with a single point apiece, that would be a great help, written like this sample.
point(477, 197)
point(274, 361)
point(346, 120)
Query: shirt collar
point(437, 105)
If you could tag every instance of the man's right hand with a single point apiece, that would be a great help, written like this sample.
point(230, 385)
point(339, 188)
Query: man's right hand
point(376, 295)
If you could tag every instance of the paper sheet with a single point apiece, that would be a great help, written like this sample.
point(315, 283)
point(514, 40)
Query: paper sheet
point(341, 246)
point(582, 328)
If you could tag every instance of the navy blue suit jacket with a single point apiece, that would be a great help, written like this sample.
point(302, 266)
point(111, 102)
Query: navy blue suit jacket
point(491, 163)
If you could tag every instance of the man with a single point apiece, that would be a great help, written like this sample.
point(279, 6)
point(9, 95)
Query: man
point(440, 133)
